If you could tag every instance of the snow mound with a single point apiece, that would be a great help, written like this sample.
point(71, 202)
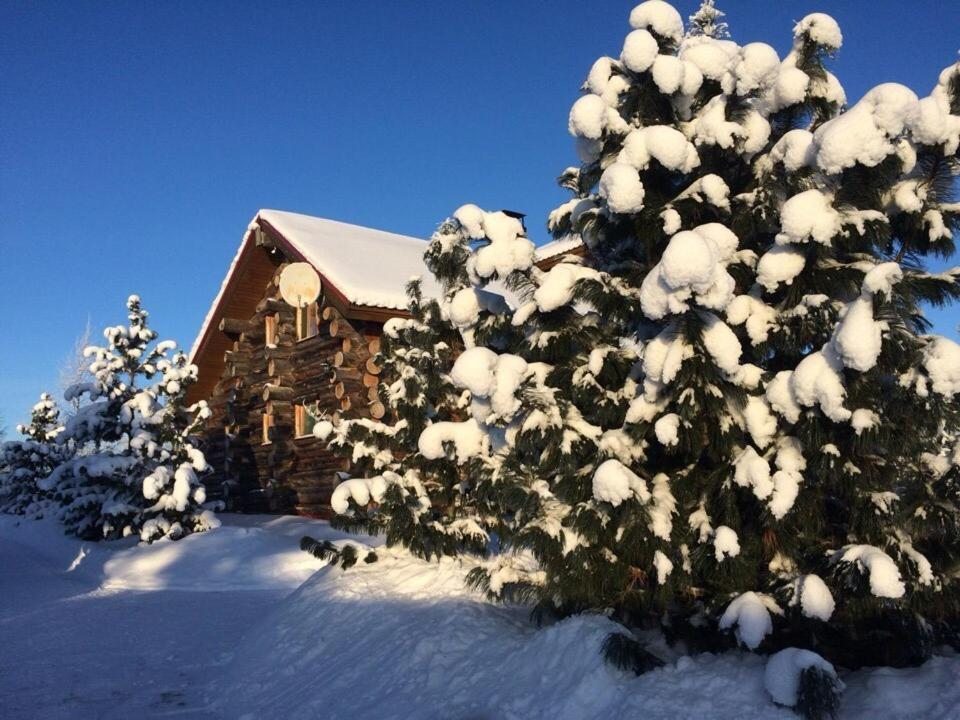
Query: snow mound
point(360, 490)
point(620, 186)
point(507, 247)
point(808, 216)
point(814, 597)
point(490, 376)
point(246, 553)
point(693, 266)
point(941, 358)
point(864, 134)
point(557, 285)
point(639, 51)
point(614, 482)
point(821, 29)
point(467, 439)
point(662, 143)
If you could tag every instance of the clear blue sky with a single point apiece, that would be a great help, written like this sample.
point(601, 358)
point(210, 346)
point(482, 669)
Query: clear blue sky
point(137, 140)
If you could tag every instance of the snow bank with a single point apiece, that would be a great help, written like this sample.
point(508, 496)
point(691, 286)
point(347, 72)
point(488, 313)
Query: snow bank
point(401, 638)
point(248, 552)
point(251, 553)
point(404, 639)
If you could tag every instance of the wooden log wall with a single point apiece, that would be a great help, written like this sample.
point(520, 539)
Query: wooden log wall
point(333, 371)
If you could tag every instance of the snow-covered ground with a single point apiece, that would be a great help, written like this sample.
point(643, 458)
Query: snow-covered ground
point(239, 623)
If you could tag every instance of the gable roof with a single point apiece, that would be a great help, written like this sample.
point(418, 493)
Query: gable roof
point(363, 272)
point(361, 267)
point(369, 267)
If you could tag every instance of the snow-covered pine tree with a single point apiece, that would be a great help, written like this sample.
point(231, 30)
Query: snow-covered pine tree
point(416, 475)
point(128, 431)
point(23, 463)
point(393, 490)
point(780, 463)
point(708, 21)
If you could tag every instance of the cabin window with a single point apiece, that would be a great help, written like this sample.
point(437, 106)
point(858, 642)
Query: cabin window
point(267, 425)
point(307, 323)
point(303, 421)
point(270, 331)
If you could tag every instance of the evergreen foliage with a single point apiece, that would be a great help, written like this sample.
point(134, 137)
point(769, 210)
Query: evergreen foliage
point(818, 697)
point(344, 557)
point(751, 437)
point(24, 463)
point(417, 475)
point(707, 21)
point(134, 470)
point(727, 419)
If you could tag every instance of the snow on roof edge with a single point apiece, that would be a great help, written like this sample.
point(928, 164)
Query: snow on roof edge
point(334, 248)
point(558, 247)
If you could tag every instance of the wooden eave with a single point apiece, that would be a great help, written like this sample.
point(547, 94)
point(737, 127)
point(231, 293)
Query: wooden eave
point(546, 264)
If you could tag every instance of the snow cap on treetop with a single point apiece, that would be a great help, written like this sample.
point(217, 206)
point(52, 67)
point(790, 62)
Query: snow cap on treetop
point(658, 16)
point(821, 29)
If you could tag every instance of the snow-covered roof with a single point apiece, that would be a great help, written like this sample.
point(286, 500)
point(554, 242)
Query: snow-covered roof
point(369, 267)
point(558, 247)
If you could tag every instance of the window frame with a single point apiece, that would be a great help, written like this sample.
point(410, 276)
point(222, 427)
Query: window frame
point(307, 322)
point(301, 418)
point(271, 330)
point(268, 422)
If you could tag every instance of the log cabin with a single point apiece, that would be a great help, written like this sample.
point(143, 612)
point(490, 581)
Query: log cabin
point(268, 370)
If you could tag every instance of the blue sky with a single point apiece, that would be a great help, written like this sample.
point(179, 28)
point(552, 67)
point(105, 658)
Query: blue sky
point(139, 139)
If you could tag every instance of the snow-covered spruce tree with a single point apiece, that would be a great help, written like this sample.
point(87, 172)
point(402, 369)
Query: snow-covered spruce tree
point(779, 475)
point(134, 470)
point(164, 425)
point(416, 476)
point(23, 463)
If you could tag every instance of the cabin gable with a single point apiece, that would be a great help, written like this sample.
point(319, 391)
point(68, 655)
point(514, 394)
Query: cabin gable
point(268, 370)
point(266, 391)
